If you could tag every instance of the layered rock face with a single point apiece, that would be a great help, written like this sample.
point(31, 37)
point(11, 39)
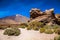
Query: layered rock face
point(57, 16)
point(47, 17)
point(34, 12)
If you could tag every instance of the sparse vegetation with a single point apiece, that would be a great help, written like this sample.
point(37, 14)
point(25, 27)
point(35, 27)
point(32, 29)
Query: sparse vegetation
point(55, 26)
point(42, 30)
point(35, 28)
point(49, 31)
point(29, 28)
point(47, 27)
point(3, 27)
point(57, 38)
point(23, 25)
point(36, 24)
point(57, 31)
point(51, 27)
point(12, 32)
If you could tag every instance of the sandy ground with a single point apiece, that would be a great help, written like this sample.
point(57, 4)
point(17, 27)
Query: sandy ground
point(28, 35)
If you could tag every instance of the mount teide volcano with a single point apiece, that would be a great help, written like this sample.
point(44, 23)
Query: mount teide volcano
point(15, 19)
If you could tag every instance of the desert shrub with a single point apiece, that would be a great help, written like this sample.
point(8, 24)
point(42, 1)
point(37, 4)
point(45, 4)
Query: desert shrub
point(47, 27)
point(57, 38)
point(29, 28)
point(3, 27)
point(55, 26)
point(42, 30)
point(51, 27)
point(36, 24)
point(35, 28)
point(12, 32)
point(57, 31)
point(23, 25)
point(49, 31)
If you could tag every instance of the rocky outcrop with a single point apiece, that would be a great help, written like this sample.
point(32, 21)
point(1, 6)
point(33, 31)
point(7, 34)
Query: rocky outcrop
point(47, 17)
point(57, 16)
point(34, 12)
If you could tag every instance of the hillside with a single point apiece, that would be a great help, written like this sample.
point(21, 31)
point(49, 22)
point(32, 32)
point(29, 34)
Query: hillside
point(15, 19)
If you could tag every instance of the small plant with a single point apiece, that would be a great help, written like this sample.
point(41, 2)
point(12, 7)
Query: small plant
point(55, 26)
point(57, 31)
point(3, 27)
point(47, 27)
point(12, 32)
point(35, 28)
point(42, 30)
point(57, 38)
point(49, 31)
point(35, 25)
point(29, 28)
point(23, 25)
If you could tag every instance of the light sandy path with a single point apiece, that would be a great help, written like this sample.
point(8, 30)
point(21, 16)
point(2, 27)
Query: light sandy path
point(27, 35)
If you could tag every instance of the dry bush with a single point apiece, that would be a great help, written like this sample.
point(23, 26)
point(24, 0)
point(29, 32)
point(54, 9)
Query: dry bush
point(42, 30)
point(12, 32)
point(57, 38)
point(57, 31)
point(49, 31)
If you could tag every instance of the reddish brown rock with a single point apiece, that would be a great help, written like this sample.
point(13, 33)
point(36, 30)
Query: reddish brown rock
point(47, 17)
point(34, 12)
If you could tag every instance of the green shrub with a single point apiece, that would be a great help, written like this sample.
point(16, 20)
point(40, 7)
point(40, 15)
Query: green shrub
point(51, 27)
point(57, 31)
point(36, 24)
point(3, 27)
point(49, 31)
point(35, 28)
point(47, 27)
point(23, 25)
point(29, 28)
point(57, 38)
point(55, 26)
point(12, 32)
point(42, 30)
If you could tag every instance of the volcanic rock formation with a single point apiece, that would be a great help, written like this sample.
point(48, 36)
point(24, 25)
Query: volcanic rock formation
point(34, 12)
point(47, 17)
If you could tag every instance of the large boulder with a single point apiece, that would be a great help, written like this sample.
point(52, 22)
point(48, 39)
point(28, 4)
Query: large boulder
point(34, 12)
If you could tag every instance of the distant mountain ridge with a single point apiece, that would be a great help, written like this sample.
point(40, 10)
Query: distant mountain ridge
point(15, 19)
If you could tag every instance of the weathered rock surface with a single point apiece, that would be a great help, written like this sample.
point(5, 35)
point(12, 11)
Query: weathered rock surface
point(57, 16)
point(34, 12)
point(47, 17)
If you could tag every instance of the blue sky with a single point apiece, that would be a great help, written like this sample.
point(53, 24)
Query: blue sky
point(13, 7)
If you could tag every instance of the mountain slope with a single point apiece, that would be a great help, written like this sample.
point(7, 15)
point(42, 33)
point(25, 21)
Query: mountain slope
point(16, 19)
